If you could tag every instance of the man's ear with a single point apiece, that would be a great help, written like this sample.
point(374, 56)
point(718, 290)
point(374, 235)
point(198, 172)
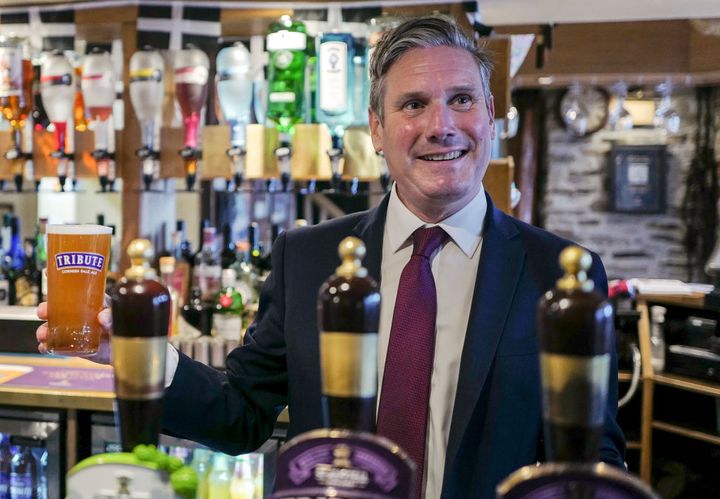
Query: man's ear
point(491, 116)
point(376, 130)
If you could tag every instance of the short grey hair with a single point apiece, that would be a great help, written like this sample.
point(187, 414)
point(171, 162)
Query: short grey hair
point(422, 32)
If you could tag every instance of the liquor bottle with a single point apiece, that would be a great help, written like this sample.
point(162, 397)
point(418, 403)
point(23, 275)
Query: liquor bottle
point(43, 481)
point(167, 278)
point(192, 68)
point(657, 338)
point(16, 76)
point(234, 91)
point(242, 485)
point(287, 46)
point(79, 118)
point(335, 87)
point(182, 251)
point(247, 282)
point(146, 95)
point(228, 255)
point(575, 325)
point(27, 280)
point(361, 85)
point(141, 313)
point(6, 457)
point(39, 115)
point(24, 470)
point(229, 308)
point(206, 271)
point(201, 464)
point(198, 314)
point(14, 258)
point(98, 90)
point(349, 315)
point(219, 477)
point(57, 88)
point(256, 248)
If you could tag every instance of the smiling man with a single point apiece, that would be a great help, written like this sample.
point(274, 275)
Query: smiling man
point(459, 381)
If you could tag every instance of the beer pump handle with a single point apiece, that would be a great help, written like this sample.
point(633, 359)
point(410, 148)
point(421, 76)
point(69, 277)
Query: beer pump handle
point(141, 314)
point(575, 325)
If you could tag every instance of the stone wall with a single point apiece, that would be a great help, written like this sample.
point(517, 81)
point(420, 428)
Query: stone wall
point(575, 196)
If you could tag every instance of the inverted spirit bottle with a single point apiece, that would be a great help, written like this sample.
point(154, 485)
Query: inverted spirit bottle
point(16, 77)
point(146, 95)
point(98, 87)
point(287, 44)
point(235, 91)
point(575, 326)
point(57, 88)
point(141, 314)
point(192, 68)
point(349, 315)
point(335, 87)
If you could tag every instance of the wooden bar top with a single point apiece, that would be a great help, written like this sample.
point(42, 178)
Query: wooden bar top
point(55, 382)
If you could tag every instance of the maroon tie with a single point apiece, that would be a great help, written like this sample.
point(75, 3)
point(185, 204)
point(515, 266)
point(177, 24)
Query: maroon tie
point(403, 412)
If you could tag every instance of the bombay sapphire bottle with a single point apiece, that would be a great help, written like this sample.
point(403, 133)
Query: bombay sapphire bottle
point(287, 45)
point(235, 92)
point(335, 78)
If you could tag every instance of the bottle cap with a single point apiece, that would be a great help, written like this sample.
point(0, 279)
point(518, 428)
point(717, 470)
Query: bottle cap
point(167, 264)
point(352, 251)
point(140, 252)
point(228, 278)
point(575, 261)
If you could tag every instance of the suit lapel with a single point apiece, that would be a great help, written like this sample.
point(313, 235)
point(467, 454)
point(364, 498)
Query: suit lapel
point(370, 229)
point(499, 269)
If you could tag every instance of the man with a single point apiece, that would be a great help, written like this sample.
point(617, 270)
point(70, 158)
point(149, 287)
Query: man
point(431, 115)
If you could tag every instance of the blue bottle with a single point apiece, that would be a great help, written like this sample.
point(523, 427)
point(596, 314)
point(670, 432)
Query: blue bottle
point(24, 473)
point(6, 456)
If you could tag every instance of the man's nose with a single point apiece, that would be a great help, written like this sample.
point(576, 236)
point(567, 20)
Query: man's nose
point(441, 124)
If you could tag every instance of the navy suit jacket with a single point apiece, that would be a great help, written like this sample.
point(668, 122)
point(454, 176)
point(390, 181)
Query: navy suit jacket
point(496, 425)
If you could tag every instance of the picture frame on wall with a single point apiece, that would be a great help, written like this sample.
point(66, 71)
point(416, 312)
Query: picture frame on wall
point(637, 178)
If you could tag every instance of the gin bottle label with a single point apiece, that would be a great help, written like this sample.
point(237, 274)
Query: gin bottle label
point(333, 77)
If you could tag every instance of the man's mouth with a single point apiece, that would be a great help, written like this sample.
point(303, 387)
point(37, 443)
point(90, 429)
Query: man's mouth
point(448, 156)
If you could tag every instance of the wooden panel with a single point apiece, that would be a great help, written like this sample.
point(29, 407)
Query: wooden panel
point(114, 15)
point(249, 22)
point(7, 167)
point(498, 180)
point(43, 146)
point(499, 50)
point(171, 163)
point(704, 52)
point(603, 52)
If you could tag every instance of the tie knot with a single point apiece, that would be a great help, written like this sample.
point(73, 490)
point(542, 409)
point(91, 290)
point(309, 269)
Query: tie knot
point(427, 240)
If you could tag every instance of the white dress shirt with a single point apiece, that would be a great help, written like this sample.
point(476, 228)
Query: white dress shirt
point(454, 268)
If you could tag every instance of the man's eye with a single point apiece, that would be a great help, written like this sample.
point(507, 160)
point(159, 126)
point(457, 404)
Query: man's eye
point(463, 100)
point(412, 105)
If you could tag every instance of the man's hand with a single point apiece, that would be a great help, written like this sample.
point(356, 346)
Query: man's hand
point(104, 317)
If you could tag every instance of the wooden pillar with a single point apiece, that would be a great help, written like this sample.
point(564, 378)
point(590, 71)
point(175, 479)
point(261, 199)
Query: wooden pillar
point(526, 148)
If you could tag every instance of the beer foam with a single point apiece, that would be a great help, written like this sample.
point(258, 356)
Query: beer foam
point(79, 230)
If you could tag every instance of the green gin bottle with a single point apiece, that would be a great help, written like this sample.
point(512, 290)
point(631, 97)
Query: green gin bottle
point(287, 45)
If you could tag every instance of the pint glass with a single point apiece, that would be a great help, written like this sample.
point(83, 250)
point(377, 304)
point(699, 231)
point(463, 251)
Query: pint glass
point(76, 266)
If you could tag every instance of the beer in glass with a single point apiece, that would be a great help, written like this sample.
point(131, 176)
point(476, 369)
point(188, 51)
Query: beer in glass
point(77, 263)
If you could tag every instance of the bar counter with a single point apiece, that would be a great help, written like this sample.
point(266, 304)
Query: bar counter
point(55, 382)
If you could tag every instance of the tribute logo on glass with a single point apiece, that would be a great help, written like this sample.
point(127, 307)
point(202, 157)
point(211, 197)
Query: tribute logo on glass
point(77, 264)
point(69, 263)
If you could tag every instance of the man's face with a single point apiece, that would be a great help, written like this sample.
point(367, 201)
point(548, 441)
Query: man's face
point(437, 130)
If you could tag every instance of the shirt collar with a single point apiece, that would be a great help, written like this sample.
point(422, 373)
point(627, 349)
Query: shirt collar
point(463, 227)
